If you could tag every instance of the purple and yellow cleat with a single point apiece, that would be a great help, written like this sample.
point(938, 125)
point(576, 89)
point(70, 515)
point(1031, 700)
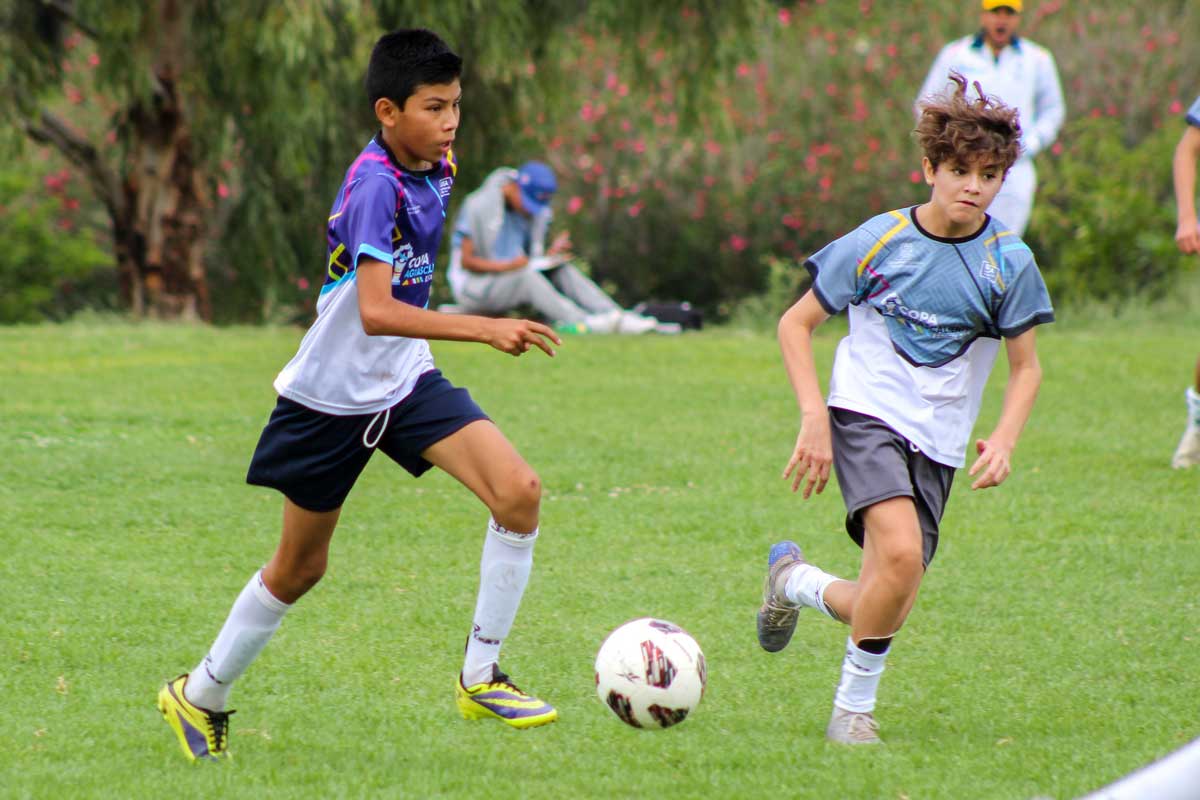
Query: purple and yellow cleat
point(500, 699)
point(203, 734)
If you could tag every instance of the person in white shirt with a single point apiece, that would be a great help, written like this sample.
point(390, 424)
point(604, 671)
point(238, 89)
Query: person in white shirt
point(1024, 76)
point(1187, 236)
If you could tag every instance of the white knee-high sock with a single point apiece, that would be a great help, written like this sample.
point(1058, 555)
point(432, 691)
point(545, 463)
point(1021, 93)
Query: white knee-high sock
point(806, 585)
point(255, 616)
point(503, 574)
point(860, 678)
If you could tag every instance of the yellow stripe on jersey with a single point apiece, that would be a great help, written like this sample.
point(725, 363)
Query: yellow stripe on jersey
point(992, 261)
point(874, 251)
point(333, 262)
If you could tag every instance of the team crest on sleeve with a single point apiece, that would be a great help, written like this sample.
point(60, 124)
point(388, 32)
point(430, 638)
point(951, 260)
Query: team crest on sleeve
point(409, 269)
point(991, 273)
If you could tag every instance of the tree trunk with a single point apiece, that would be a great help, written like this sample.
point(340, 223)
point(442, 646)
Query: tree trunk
point(157, 200)
point(167, 205)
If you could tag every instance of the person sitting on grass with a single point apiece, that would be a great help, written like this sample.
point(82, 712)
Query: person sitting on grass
point(931, 291)
point(364, 379)
point(499, 259)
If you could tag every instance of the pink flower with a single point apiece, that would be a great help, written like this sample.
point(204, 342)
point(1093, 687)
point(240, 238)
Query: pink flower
point(713, 148)
point(94, 60)
point(1175, 107)
point(1056, 148)
point(636, 208)
point(785, 16)
point(302, 283)
point(222, 190)
point(738, 243)
point(914, 177)
point(743, 70)
point(574, 204)
point(826, 183)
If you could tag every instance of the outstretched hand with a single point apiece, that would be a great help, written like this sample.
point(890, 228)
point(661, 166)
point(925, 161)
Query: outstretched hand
point(993, 464)
point(516, 336)
point(812, 457)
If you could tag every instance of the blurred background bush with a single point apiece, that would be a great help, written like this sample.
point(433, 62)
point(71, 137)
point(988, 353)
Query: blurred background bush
point(703, 148)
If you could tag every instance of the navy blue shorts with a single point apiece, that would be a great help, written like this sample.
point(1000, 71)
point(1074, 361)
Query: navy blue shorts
point(315, 458)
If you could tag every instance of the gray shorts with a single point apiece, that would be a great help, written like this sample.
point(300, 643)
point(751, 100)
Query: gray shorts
point(875, 463)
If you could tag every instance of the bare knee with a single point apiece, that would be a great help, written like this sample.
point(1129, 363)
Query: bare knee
point(517, 500)
point(289, 579)
point(902, 562)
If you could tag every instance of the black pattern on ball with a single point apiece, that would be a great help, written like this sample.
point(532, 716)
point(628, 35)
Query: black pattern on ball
point(667, 717)
point(620, 705)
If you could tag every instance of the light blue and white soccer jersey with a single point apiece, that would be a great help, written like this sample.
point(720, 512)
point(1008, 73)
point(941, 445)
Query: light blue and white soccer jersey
point(926, 318)
point(394, 215)
point(1193, 114)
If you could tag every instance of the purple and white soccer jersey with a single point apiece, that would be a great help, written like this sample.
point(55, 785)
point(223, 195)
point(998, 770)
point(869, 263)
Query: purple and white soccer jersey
point(394, 215)
point(926, 318)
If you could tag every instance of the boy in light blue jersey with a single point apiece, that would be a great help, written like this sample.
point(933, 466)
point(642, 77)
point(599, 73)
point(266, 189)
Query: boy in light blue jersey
point(931, 291)
point(363, 380)
point(1187, 236)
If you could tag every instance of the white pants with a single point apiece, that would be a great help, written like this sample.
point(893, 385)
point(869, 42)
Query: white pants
point(1014, 203)
point(562, 294)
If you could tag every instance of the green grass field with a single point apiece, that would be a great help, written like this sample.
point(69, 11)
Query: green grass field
point(1054, 648)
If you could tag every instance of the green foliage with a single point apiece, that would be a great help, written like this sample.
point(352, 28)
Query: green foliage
point(45, 263)
point(695, 139)
point(1020, 673)
point(1104, 222)
point(786, 281)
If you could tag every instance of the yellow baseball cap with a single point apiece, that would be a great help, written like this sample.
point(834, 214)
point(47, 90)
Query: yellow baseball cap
point(992, 5)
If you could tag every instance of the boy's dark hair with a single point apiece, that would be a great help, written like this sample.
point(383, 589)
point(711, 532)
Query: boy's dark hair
point(405, 59)
point(958, 129)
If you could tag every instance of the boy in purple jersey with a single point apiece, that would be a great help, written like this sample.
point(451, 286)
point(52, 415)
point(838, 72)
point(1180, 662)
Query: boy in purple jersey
point(931, 292)
point(364, 379)
point(1187, 236)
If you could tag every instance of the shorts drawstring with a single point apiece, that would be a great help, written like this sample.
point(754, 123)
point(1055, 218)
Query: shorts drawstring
point(387, 415)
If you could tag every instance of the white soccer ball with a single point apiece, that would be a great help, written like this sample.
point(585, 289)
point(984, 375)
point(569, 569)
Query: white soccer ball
point(651, 673)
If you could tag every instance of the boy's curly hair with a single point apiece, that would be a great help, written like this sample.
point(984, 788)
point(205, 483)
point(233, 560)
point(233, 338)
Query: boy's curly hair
point(954, 128)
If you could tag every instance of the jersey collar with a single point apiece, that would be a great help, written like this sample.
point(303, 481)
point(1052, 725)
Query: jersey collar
point(977, 42)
